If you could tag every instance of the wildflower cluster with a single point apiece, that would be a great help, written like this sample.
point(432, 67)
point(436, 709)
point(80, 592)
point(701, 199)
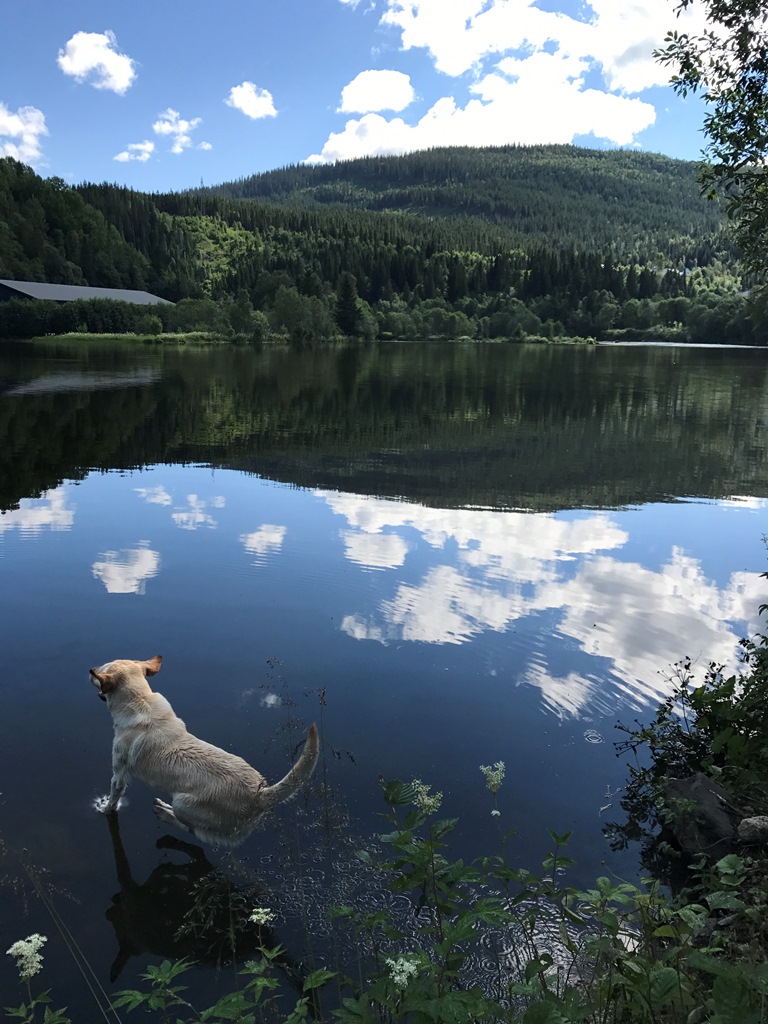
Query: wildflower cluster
point(402, 970)
point(494, 775)
point(426, 804)
point(27, 955)
point(261, 915)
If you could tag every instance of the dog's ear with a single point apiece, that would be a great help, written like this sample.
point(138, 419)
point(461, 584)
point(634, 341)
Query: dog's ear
point(152, 666)
point(105, 681)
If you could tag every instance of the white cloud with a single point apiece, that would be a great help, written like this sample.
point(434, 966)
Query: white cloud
point(618, 38)
point(527, 69)
point(171, 123)
point(94, 57)
point(127, 571)
point(376, 90)
point(503, 115)
point(140, 151)
point(205, 146)
point(20, 133)
point(268, 539)
point(251, 101)
point(50, 512)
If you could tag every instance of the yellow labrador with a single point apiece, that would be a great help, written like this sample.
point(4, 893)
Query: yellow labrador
point(215, 795)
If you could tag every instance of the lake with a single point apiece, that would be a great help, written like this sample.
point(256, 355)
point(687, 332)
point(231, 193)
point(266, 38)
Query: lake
point(445, 555)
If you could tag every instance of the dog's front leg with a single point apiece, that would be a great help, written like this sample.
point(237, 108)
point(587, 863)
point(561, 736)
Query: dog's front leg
point(120, 777)
point(116, 790)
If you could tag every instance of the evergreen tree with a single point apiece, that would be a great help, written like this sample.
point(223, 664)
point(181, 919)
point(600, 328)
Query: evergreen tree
point(347, 314)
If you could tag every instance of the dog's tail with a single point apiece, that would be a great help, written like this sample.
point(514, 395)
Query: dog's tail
point(301, 771)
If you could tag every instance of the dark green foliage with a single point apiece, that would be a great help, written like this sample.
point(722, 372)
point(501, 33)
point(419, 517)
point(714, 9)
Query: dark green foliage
point(613, 242)
point(728, 65)
point(48, 232)
point(633, 202)
point(347, 314)
point(23, 318)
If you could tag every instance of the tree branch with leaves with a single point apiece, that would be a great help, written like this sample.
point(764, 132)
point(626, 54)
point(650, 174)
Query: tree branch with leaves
point(727, 65)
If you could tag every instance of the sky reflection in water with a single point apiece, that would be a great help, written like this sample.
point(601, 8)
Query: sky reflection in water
point(619, 587)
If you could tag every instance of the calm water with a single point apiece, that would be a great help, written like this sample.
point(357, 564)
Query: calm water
point(444, 555)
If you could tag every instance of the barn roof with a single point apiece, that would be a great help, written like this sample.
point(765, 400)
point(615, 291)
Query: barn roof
point(70, 292)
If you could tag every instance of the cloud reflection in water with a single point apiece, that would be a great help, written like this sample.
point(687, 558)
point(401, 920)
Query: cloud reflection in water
point(127, 571)
point(49, 512)
point(497, 568)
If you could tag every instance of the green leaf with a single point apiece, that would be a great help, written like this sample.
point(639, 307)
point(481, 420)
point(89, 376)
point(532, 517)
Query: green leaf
point(545, 1012)
point(537, 965)
point(731, 996)
point(397, 793)
point(664, 986)
point(55, 1016)
point(230, 1007)
point(559, 840)
point(441, 828)
point(129, 998)
point(318, 978)
point(724, 901)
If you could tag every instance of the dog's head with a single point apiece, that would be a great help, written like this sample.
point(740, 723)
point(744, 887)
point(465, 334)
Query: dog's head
point(108, 677)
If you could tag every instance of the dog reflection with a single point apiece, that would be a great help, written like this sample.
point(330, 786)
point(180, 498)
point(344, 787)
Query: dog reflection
point(190, 910)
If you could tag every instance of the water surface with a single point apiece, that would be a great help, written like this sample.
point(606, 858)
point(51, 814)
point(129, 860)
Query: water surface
point(445, 555)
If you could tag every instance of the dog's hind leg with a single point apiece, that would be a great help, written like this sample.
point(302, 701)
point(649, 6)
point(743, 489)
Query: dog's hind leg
point(165, 813)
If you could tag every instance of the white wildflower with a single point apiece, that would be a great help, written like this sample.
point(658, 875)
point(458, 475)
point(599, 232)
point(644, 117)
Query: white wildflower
point(426, 804)
point(494, 775)
point(401, 971)
point(495, 813)
point(27, 955)
point(262, 915)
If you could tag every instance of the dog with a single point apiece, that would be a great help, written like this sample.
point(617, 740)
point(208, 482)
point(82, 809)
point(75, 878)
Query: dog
point(216, 796)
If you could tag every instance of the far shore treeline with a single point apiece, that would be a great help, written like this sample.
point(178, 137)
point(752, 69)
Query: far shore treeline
point(542, 243)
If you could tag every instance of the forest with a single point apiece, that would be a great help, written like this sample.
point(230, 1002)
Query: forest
point(537, 243)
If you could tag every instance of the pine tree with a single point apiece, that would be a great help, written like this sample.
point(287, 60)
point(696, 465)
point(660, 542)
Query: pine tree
point(347, 313)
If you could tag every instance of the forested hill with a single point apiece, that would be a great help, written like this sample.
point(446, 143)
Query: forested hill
point(563, 195)
point(572, 243)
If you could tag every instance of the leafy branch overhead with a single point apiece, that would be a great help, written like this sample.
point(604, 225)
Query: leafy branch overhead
point(727, 65)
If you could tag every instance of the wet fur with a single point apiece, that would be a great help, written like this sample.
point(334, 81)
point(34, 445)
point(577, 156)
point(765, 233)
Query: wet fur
point(216, 795)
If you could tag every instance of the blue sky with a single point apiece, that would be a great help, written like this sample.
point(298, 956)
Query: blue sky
point(160, 95)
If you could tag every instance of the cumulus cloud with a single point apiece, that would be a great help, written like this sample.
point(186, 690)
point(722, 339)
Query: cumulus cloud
point(140, 151)
point(21, 132)
point(532, 75)
point(171, 123)
point(251, 101)
point(376, 90)
point(93, 57)
point(619, 38)
point(502, 115)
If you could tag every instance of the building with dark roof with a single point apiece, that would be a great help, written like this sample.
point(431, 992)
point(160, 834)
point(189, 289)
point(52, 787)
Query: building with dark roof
point(71, 292)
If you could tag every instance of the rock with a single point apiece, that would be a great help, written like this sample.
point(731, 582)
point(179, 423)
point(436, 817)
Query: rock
point(702, 818)
point(754, 831)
